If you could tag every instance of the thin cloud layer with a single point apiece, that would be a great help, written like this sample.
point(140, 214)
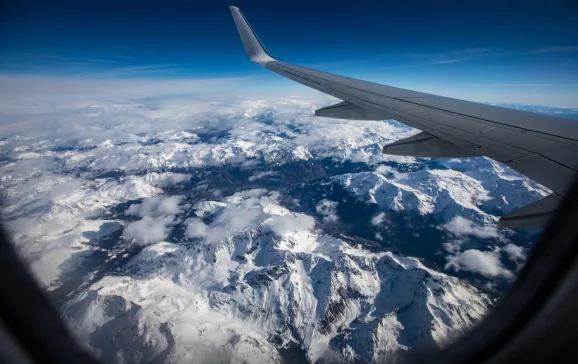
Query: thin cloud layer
point(114, 133)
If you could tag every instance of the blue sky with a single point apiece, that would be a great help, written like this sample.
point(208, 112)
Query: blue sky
point(512, 51)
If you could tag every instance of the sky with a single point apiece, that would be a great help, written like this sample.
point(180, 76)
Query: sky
point(497, 51)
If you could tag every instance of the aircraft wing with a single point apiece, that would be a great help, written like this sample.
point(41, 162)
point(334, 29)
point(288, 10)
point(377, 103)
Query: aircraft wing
point(542, 147)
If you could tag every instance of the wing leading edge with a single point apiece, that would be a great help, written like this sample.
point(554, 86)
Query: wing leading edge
point(542, 147)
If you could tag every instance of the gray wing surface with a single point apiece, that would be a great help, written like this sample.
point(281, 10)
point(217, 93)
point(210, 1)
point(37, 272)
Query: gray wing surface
point(542, 147)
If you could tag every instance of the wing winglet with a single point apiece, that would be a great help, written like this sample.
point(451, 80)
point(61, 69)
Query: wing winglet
point(253, 46)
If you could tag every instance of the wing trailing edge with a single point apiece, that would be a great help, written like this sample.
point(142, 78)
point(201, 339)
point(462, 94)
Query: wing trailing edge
point(427, 146)
point(346, 110)
point(532, 216)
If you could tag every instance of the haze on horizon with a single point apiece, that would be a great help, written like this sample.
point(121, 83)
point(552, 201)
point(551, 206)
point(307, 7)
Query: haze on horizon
point(517, 52)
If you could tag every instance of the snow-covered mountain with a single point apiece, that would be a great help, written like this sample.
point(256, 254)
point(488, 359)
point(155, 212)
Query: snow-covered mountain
point(276, 283)
point(238, 231)
point(443, 191)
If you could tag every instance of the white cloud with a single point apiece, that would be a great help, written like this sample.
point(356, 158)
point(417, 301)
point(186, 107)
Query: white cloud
point(449, 61)
point(453, 246)
point(562, 49)
point(69, 89)
point(238, 218)
point(378, 219)
point(328, 209)
point(114, 131)
point(387, 170)
point(157, 215)
point(289, 223)
point(383, 169)
point(196, 228)
point(462, 226)
point(246, 194)
point(175, 179)
point(241, 211)
point(515, 253)
point(486, 263)
point(149, 230)
point(157, 206)
point(261, 175)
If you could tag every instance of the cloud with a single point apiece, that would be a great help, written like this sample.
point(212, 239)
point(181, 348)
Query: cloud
point(448, 57)
point(453, 246)
point(261, 175)
point(149, 230)
point(196, 228)
point(86, 66)
point(461, 226)
point(328, 209)
point(560, 49)
point(68, 89)
point(515, 253)
point(383, 169)
point(131, 71)
point(157, 206)
point(243, 210)
point(157, 215)
point(289, 223)
point(388, 172)
point(175, 179)
point(477, 53)
point(486, 263)
point(449, 61)
point(114, 120)
point(251, 194)
point(378, 219)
